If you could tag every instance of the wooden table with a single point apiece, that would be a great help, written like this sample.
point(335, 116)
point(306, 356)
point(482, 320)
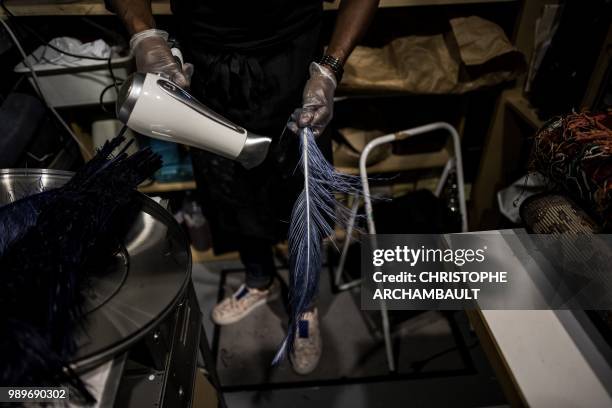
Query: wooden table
point(546, 358)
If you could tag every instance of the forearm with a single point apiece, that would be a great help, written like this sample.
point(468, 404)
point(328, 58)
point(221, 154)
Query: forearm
point(353, 19)
point(317, 108)
point(135, 14)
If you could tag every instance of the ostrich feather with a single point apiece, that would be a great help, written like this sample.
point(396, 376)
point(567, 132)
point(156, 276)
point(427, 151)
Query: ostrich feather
point(313, 216)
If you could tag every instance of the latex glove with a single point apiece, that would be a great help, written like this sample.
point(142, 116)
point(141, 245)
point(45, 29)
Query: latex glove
point(317, 101)
point(152, 54)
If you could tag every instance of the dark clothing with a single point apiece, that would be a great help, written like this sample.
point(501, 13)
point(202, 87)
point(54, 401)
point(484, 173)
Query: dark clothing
point(251, 62)
point(258, 92)
point(258, 260)
point(258, 87)
point(244, 25)
point(250, 210)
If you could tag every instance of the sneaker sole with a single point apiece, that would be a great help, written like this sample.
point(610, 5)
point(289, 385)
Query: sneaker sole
point(237, 318)
point(307, 370)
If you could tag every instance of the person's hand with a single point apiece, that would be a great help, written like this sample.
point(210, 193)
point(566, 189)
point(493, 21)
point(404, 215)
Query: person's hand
point(152, 54)
point(317, 101)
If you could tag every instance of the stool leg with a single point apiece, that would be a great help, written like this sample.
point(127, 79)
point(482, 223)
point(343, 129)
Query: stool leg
point(387, 334)
point(345, 248)
point(211, 367)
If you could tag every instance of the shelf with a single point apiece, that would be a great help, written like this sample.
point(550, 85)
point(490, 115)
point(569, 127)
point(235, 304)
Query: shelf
point(518, 103)
point(162, 7)
point(416, 3)
point(167, 187)
point(209, 256)
point(396, 163)
point(281, 250)
point(69, 8)
point(51, 8)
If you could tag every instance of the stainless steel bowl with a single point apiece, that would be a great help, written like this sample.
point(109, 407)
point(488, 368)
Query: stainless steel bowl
point(143, 283)
point(19, 183)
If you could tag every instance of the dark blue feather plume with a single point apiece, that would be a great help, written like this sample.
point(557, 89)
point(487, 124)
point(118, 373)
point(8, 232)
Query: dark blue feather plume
point(50, 245)
point(312, 219)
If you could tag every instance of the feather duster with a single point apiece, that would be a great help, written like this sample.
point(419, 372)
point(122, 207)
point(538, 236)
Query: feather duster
point(312, 219)
point(50, 244)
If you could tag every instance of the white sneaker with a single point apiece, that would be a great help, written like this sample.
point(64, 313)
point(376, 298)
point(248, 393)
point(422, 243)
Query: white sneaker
point(241, 304)
point(307, 344)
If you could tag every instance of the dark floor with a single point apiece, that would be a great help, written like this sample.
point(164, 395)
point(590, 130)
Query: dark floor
point(440, 362)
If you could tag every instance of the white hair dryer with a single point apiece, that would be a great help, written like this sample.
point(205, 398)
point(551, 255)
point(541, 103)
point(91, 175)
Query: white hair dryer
point(156, 107)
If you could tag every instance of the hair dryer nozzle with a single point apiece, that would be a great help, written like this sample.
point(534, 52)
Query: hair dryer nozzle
point(254, 151)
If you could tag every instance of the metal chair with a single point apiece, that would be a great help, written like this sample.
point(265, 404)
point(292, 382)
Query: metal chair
point(454, 163)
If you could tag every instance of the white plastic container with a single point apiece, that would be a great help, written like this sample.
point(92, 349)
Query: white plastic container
point(76, 83)
point(104, 130)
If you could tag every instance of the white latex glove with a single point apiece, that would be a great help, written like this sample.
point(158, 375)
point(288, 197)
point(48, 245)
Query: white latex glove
point(317, 101)
point(152, 54)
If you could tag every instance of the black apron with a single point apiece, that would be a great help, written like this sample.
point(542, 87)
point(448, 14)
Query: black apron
point(251, 65)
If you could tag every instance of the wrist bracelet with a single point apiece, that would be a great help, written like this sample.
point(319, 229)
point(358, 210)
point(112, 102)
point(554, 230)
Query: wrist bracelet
point(334, 64)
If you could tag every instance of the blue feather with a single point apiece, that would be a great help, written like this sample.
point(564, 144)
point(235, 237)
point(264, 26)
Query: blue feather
point(51, 245)
point(312, 219)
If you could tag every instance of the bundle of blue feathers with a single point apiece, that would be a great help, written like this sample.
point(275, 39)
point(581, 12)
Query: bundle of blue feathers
point(50, 244)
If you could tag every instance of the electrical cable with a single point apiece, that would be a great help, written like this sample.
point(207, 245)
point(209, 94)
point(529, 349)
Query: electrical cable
point(42, 40)
point(101, 101)
point(40, 92)
point(115, 81)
